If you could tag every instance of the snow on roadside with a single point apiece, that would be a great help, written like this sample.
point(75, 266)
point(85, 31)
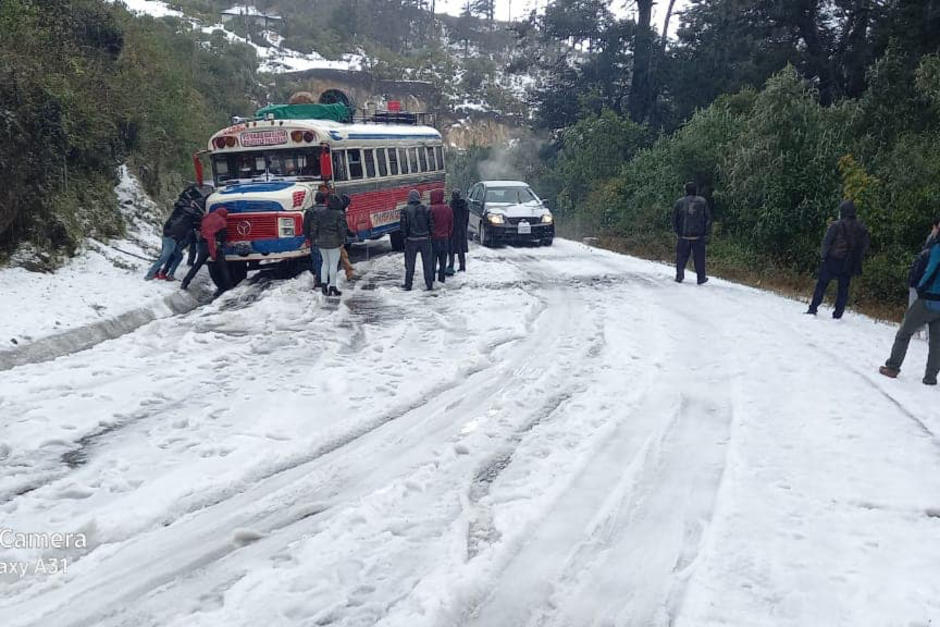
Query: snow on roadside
point(105, 280)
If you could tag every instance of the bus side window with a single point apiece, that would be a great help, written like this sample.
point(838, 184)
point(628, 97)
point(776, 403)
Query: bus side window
point(380, 157)
point(439, 150)
point(354, 157)
point(403, 159)
point(339, 165)
point(368, 156)
point(432, 160)
point(393, 161)
point(423, 158)
point(413, 159)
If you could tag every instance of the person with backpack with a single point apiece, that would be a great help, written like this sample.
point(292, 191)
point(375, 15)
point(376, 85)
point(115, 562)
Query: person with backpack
point(843, 249)
point(925, 310)
point(458, 241)
point(328, 233)
point(691, 221)
point(442, 216)
point(416, 227)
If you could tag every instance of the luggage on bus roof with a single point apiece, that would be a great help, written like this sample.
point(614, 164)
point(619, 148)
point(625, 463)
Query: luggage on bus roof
point(337, 112)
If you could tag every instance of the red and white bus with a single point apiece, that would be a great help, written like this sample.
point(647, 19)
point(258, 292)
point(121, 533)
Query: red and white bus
point(267, 170)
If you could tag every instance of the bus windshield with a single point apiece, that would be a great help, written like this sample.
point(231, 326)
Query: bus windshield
point(259, 164)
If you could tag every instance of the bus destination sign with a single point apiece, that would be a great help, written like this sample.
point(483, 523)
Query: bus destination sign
point(274, 137)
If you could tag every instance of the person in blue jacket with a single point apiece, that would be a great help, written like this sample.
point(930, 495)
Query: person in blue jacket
point(923, 311)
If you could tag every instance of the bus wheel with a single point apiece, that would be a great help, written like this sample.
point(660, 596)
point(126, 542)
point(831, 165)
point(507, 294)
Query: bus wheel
point(398, 241)
point(237, 271)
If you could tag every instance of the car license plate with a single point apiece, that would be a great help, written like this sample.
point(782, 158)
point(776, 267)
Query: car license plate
point(525, 228)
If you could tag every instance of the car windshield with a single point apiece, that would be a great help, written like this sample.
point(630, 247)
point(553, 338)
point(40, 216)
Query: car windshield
point(251, 165)
point(510, 195)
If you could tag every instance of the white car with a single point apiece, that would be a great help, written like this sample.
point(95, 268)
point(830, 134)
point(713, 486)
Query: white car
point(508, 211)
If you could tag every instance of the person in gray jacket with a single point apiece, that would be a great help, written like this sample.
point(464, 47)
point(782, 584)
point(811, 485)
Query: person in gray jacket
point(328, 233)
point(692, 223)
point(416, 227)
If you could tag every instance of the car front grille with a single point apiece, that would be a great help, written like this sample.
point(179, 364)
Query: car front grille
point(532, 221)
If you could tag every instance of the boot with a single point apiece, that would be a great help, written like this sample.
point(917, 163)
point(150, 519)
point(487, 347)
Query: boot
point(325, 290)
point(891, 373)
point(335, 292)
point(160, 276)
point(930, 380)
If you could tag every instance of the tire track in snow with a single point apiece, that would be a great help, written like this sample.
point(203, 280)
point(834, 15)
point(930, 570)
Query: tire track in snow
point(206, 543)
point(679, 457)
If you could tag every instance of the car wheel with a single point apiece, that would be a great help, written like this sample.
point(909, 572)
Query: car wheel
point(485, 238)
point(547, 241)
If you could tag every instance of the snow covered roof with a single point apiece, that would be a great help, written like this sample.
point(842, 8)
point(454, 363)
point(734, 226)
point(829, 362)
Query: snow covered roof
point(250, 11)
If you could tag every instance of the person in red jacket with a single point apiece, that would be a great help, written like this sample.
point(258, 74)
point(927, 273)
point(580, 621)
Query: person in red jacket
point(442, 220)
point(212, 237)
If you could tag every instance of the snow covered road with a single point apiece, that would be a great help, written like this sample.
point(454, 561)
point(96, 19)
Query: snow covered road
point(561, 436)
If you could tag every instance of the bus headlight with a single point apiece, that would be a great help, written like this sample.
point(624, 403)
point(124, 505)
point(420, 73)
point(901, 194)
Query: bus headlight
point(285, 227)
point(496, 218)
point(547, 218)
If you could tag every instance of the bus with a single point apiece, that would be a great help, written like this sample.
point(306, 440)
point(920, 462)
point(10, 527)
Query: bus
point(267, 170)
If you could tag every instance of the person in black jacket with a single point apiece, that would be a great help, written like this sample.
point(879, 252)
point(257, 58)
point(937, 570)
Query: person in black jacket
point(416, 227)
point(315, 257)
point(183, 228)
point(691, 221)
point(458, 241)
point(843, 249)
point(328, 233)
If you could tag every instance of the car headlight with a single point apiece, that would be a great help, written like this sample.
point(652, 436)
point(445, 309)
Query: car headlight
point(285, 227)
point(496, 218)
point(547, 218)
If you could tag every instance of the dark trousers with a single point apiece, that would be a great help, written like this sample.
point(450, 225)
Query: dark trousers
point(462, 258)
point(829, 270)
point(918, 315)
point(412, 248)
point(694, 248)
point(440, 247)
point(201, 257)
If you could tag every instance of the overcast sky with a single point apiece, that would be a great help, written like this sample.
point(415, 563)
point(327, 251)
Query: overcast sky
point(520, 8)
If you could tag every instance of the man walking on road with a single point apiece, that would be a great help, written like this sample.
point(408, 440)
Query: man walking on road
point(416, 227)
point(691, 221)
point(442, 216)
point(923, 311)
point(843, 248)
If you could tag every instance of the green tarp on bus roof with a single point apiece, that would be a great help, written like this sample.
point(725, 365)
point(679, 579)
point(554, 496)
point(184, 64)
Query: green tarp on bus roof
point(337, 112)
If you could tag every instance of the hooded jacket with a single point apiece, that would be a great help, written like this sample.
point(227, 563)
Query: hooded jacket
point(458, 243)
point(846, 240)
point(691, 218)
point(929, 286)
point(442, 216)
point(213, 230)
point(328, 226)
point(416, 221)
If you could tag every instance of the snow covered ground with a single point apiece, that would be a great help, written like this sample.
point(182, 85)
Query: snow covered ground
point(104, 281)
point(560, 436)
